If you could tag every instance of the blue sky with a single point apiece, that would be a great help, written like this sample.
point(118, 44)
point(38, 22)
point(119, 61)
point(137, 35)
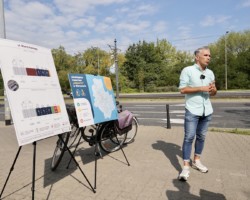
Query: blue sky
point(80, 24)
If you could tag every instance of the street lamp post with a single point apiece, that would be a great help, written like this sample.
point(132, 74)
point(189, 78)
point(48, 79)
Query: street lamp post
point(116, 71)
point(7, 112)
point(226, 60)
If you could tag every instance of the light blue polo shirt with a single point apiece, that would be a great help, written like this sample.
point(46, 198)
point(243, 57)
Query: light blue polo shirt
point(197, 103)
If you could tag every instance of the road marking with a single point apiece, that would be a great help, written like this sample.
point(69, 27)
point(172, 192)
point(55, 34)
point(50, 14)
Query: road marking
point(178, 111)
point(178, 105)
point(149, 118)
point(131, 108)
point(150, 105)
point(243, 108)
point(175, 121)
point(146, 112)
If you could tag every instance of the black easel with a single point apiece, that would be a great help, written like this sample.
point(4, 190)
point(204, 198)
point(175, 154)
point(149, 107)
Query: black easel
point(72, 156)
point(96, 152)
point(33, 171)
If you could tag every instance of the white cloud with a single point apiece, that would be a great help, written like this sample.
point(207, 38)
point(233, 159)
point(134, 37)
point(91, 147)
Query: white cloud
point(80, 7)
point(102, 28)
point(70, 23)
point(137, 11)
point(29, 9)
point(133, 28)
point(214, 20)
point(208, 21)
point(184, 40)
point(246, 3)
point(84, 22)
point(110, 20)
point(160, 27)
point(184, 31)
point(98, 42)
point(75, 24)
point(76, 7)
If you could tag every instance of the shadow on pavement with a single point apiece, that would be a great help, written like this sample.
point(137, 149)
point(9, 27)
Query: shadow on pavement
point(171, 151)
point(67, 165)
point(184, 193)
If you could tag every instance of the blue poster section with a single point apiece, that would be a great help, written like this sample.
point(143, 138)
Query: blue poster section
point(93, 98)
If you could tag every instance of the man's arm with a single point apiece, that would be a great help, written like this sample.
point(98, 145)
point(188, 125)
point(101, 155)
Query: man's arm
point(190, 90)
point(211, 89)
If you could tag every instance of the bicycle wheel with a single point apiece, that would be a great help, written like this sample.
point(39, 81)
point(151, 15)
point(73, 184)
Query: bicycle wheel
point(132, 133)
point(88, 134)
point(109, 139)
point(59, 151)
point(75, 130)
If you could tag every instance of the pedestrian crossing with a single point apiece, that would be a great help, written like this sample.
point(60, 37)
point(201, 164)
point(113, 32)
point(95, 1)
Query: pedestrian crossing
point(156, 114)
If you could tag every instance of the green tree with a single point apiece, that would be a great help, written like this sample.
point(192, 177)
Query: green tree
point(238, 44)
point(150, 66)
point(173, 62)
point(64, 64)
point(143, 65)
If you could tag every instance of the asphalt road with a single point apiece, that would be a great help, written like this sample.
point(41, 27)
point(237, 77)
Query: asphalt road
point(174, 95)
point(226, 114)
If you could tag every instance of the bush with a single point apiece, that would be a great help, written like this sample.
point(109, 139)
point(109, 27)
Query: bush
point(153, 88)
point(1, 92)
point(129, 90)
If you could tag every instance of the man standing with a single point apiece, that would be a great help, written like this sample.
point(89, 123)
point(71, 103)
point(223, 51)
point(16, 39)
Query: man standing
point(197, 82)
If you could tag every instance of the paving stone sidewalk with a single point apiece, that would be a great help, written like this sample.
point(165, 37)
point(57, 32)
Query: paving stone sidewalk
point(155, 162)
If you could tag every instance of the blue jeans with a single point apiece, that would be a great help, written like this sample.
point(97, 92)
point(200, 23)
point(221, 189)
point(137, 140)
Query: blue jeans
point(194, 126)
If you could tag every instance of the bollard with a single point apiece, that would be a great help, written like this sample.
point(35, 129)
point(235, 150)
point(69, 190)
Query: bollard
point(168, 117)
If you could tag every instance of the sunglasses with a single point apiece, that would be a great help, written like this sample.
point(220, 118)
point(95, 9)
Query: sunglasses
point(202, 76)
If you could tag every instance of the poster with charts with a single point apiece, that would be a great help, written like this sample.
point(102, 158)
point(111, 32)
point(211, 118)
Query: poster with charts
point(33, 91)
point(93, 99)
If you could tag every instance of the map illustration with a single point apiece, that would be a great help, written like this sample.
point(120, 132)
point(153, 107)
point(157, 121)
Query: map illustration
point(93, 98)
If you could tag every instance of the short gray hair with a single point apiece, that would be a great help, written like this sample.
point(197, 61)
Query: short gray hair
point(197, 51)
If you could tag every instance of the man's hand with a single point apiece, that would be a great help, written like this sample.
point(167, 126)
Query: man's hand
point(212, 89)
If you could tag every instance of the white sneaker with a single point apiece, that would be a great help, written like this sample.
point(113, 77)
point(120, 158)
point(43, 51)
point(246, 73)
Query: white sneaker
point(184, 174)
point(197, 165)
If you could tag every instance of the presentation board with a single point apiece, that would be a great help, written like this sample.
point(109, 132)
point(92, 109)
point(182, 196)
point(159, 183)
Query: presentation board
point(31, 83)
point(93, 99)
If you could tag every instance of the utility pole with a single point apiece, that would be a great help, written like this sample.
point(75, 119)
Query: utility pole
point(226, 60)
point(2, 20)
point(7, 113)
point(114, 49)
point(116, 71)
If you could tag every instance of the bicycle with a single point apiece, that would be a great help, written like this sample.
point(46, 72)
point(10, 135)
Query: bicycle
point(131, 133)
point(105, 135)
